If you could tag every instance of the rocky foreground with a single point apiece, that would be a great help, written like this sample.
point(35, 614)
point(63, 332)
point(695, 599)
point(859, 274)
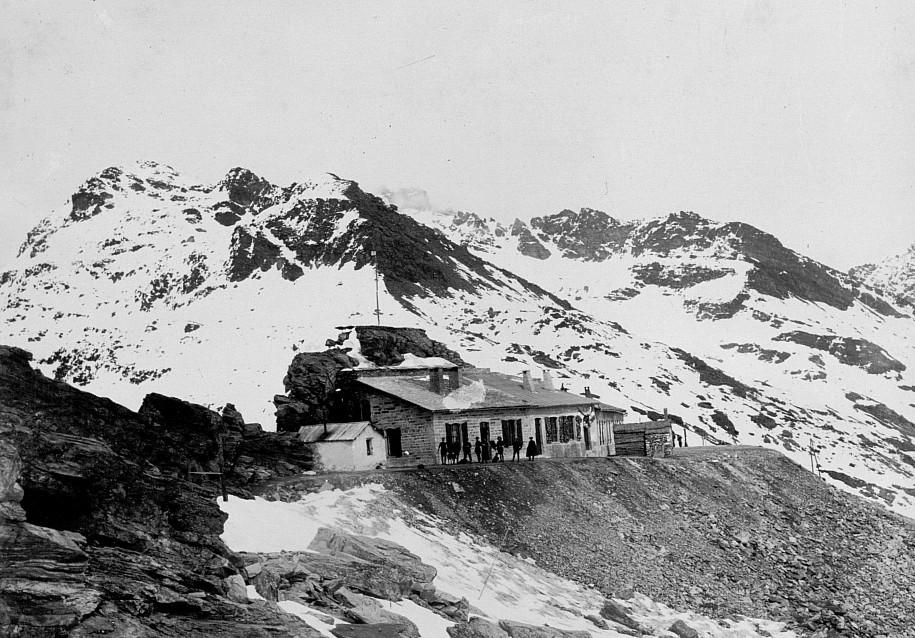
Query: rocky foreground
point(718, 530)
point(101, 533)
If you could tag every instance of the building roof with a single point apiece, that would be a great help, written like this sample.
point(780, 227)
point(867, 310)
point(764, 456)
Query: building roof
point(643, 426)
point(335, 432)
point(480, 389)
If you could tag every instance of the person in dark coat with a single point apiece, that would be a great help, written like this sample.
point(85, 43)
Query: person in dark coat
point(500, 450)
point(466, 451)
point(486, 452)
point(516, 449)
point(532, 450)
point(454, 451)
point(443, 450)
point(478, 448)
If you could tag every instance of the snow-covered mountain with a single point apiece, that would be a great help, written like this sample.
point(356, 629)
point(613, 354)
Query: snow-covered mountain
point(147, 281)
point(894, 276)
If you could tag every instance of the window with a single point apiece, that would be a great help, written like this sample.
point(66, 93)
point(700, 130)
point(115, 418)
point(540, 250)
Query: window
point(578, 428)
point(368, 447)
point(511, 431)
point(551, 430)
point(566, 428)
point(452, 433)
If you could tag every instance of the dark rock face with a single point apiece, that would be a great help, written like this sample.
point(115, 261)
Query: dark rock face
point(108, 540)
point(530, 247)
point(89, 199)
point(247, 190)
point(589, 235)
point(385, 346)
point(849, 350)
point(713, 376)
point(684, 276)
point(310, 383)
point(249, 253)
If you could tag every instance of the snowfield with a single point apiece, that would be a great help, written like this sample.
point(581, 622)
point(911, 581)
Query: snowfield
point(497, 585)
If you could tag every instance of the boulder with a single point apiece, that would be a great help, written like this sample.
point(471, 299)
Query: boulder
point(683, 630)
point(615, 612)
point(380, 630)
point(391, 557)
point(522, 630)
point(476, 628)
point(374, 613)
point(235, 589)
point(598, 622)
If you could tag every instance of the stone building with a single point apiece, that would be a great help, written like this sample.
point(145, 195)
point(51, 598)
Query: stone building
point(418, 407)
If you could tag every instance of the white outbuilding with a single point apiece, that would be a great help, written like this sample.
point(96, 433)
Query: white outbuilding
point(345, 446)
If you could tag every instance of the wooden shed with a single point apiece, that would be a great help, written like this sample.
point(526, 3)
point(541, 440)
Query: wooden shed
point(647, 438)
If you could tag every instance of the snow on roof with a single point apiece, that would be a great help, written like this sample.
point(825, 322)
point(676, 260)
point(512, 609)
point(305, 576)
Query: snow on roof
point(335, 432)
point(479, 390)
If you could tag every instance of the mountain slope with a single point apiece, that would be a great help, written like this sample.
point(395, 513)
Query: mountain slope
point(150, 282)
point(894, 276)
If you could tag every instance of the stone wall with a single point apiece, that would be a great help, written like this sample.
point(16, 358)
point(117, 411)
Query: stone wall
point(416, 436)
point(528, 429)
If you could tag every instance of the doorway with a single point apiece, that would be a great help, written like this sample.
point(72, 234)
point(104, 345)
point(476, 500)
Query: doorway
point(393, 438)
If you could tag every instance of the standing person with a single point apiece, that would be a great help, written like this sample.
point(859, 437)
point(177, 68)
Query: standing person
point(516, 449)
point(443, 450)
point(454, 451)
point(478, 448)
point(466, 451)
point(532, 450)
point(486, 451)
point(500, 449)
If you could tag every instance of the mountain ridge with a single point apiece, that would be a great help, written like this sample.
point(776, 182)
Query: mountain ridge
point(209, 291)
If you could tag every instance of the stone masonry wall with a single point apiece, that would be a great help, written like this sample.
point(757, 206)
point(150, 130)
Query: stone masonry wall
point(415, 426)
point(528, 426)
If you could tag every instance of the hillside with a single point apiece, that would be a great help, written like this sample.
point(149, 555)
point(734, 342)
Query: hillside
point(894, 276)
point(209, 291)
point(726, 532)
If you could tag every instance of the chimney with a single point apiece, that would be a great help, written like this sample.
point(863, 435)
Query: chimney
point(436, 380)
point(548, 381)
point(526, 381)
point(588, 391)
point(454, 378)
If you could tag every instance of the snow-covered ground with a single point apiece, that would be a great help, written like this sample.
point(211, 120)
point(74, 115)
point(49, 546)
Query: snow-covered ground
point(497, 585)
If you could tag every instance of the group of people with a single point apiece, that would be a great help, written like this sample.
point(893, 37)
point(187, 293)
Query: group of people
point(486, 451)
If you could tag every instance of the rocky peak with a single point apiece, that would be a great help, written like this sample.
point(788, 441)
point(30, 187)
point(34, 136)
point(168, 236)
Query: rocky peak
point(247, 189)
point(590, 234)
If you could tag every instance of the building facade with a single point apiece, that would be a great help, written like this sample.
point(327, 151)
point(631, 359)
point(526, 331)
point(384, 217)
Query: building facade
point(416, 409)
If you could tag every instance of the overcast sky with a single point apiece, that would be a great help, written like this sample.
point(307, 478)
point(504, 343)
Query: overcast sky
point(798, 118)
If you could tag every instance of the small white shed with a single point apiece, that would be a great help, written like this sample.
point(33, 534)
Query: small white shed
point(345, 446)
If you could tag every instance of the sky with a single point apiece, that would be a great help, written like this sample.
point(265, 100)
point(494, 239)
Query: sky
point(798, 118)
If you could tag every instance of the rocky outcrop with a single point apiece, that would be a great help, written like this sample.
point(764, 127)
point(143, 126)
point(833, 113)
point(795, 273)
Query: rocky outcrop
point(386, 345)
point(347, 574)
point(98, 534)
point(851, 351)
point(310, 382)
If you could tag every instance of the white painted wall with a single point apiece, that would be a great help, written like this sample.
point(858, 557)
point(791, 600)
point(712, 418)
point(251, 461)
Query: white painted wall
point(351, 455)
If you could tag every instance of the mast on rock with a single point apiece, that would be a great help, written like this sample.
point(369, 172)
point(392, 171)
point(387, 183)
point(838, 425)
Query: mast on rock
point(377, 305)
